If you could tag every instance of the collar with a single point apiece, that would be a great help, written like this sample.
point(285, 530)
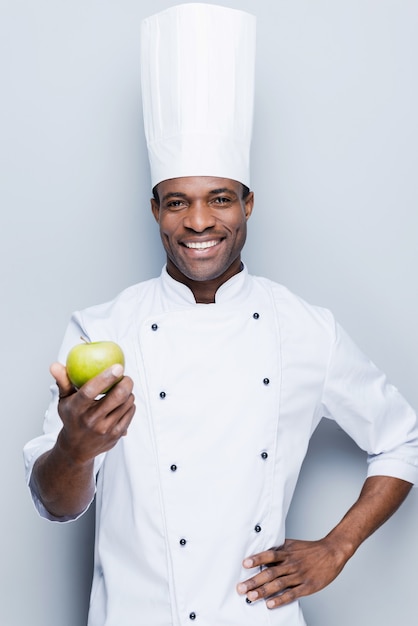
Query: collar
point(233, 290)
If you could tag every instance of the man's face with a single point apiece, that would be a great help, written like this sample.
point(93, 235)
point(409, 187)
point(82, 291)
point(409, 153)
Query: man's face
point(203, 224)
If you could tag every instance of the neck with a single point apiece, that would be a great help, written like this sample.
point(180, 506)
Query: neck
point(204, 291)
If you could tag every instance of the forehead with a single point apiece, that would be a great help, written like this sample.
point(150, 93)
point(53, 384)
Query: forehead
point(190, 185)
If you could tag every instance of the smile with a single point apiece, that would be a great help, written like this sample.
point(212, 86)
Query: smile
point(201, 245)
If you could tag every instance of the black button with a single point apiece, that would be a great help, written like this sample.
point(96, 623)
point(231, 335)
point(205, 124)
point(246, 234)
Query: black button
point(173, 468)
point(192, 616)
point(256, 316)
point(162, 394)
point(154, 327)
point(257, 529)
point(183, 542)
point(264, 455)
point(247, 600)
point(266, 381)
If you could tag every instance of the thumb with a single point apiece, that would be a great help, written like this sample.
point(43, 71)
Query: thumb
point(59, 372)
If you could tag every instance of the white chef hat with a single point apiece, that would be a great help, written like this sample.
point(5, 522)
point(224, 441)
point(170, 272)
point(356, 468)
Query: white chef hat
point(197, 73)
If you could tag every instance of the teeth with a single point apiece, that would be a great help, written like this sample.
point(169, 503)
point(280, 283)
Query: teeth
point(201, 245)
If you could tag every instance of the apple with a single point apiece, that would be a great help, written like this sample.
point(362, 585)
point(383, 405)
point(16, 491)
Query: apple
point(87, 359)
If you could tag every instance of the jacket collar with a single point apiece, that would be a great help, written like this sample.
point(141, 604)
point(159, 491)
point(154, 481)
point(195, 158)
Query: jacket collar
point(233, 290)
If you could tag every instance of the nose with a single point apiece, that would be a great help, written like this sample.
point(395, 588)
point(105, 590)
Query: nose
point(199, 217)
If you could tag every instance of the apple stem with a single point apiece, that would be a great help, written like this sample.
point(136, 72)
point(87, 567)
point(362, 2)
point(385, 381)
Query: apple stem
point(84, 339)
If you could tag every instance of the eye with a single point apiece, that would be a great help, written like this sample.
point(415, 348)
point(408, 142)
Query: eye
point(174, 205)
point(222, 200)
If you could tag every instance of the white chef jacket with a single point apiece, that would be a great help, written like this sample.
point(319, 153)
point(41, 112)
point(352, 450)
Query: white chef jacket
point(227, 395)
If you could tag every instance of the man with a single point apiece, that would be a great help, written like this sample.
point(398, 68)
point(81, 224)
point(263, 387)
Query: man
point(231, 373)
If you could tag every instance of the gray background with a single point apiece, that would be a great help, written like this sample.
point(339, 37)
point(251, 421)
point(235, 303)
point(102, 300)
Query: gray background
point(334, 172)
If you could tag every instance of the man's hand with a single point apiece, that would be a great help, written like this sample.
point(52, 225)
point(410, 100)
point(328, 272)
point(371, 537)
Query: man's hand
point(299, 568)
point(296, 569)
point(93, 424)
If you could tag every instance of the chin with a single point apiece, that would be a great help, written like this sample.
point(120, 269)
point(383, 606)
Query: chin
point(202, 277)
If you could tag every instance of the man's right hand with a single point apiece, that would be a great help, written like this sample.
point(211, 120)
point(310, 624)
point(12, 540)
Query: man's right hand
point(93, 423)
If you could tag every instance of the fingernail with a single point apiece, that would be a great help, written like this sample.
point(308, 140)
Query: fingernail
point(270, 604)
point(248, 563)
point(117, 370)
point(242, 588)
point(252, 595)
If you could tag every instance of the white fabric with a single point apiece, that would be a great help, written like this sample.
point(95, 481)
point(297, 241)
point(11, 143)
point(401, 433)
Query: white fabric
point(197, 75)
point(217, 418)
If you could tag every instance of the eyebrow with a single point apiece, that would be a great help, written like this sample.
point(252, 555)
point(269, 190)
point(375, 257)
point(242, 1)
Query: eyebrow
point(173, 194)
point(221, 190)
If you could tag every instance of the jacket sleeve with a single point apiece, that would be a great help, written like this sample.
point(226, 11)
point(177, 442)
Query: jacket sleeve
point(359, 397)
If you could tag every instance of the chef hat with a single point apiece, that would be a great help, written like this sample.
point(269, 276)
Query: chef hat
point(197, 72)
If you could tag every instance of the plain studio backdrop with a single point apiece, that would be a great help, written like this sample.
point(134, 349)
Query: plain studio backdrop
point(334, 164)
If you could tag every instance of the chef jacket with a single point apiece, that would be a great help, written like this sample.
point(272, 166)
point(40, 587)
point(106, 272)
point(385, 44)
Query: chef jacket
point(227, 395)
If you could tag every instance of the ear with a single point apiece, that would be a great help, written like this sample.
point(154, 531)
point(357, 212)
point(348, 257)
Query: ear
point(155, 208)
point(249, 204)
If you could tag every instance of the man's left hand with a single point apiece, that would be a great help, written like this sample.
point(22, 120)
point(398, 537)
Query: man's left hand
point(299, 568)
point(296, 569)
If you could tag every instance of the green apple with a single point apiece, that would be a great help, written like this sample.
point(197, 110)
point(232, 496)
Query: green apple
point(87, 359)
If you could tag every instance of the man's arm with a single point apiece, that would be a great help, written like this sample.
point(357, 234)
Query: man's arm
point(63, 477)
point(300, 568)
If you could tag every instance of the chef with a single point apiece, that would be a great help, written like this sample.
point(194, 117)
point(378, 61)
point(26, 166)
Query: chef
point(193, 456)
